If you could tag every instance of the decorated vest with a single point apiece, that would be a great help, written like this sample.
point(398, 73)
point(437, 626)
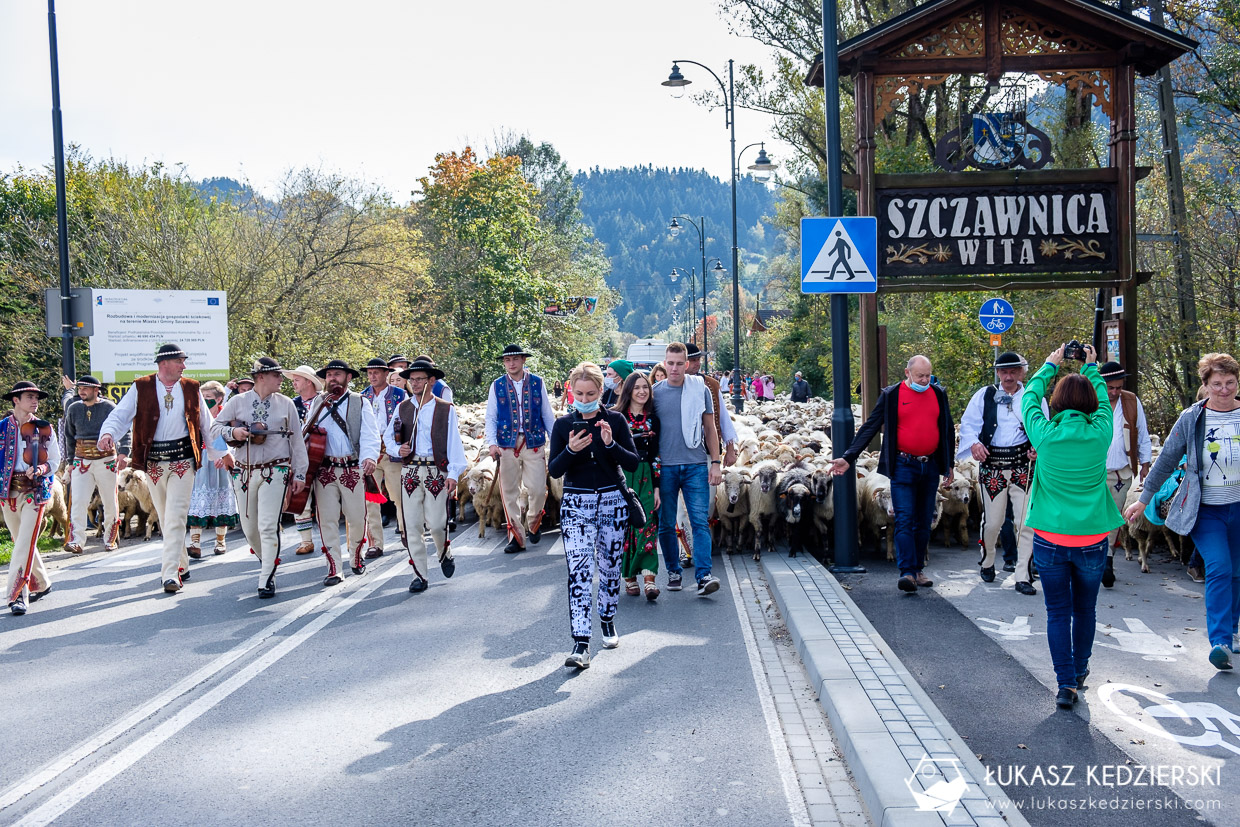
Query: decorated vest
point(394, 398)
point(713, 385)
point(527, 410)
point(1128, 409)
point(352, 418)
point(11, 447)
point(406, 416)
point(146, 419)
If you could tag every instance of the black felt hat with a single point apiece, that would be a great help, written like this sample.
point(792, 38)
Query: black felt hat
point(1112, 370)
point(25, 387)
point(514, 350)
point(265, 364)
point(238, 380)
point(377, 363)
point(692, 351)
point(1011, 359)
point(396, 357)
point(423, 366)
point(169, 351)
point(337, 364)
point(88, 381)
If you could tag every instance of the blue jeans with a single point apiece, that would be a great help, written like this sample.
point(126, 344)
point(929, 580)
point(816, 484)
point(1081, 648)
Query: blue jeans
point(913, 489)
point(1071, 577)
point(1217, 535)
point(691, 480)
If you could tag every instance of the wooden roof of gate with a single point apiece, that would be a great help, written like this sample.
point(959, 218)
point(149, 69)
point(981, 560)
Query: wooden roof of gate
point(992, 37)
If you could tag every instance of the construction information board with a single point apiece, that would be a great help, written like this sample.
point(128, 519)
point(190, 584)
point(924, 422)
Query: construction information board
point(130, 325)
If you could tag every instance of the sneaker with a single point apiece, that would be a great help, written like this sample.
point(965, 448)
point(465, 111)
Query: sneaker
point(610, 639)
point(1108, 574)
point(1220, 657)
point(579, 658)
point(988, 574)
point(18, 607)
point(1196, 575)
point(673, 582)
point(708, 585)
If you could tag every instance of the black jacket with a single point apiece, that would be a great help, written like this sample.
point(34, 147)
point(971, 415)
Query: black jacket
point(800, 391)
point(595, 467)
point(886, 416)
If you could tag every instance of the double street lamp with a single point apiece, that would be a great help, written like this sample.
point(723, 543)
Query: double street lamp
point(761, 169)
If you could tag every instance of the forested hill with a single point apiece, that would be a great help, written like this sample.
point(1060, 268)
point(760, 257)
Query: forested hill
point(630, 209)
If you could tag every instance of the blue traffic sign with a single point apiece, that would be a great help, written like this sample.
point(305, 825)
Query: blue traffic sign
point(839, 255)
point(996, 316)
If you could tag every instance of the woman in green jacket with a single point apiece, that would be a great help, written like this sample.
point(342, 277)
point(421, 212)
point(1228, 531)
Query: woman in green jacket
point(1070, 510)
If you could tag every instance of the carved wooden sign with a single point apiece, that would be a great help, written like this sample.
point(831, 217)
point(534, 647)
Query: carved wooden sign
point(987, 230)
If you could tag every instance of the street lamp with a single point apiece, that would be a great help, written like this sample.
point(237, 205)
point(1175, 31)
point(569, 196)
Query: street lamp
point(762, 168)
point(676, 273)
point(676, 82)
point(700, 225)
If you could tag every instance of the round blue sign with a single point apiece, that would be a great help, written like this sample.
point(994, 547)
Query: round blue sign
point(996, 316)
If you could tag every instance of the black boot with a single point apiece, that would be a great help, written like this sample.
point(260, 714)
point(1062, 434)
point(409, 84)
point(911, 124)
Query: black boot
point(1108, 574)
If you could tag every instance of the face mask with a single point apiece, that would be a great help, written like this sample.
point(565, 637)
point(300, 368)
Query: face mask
point(585, 407)
point(917, 387)
point(609, 383)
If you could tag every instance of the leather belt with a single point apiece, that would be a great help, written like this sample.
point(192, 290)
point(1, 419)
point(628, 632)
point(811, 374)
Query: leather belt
point(1008, 456)
point(87, 449)
point(170, 451)
point(915, 459)
point(259, 465)
point(426, 461)
point(340, 462)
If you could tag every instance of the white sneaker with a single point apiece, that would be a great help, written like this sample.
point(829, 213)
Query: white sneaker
point(708, 585)
point(610, 639)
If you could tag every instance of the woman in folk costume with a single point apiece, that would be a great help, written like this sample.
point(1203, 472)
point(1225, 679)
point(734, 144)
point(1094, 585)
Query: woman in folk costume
point(27, 461)
point(213, 504)
point(641, 545)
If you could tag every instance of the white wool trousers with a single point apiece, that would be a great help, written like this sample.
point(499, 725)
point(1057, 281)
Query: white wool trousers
point(260, 499)
point(172, 485)
point(85, 477)
point(22, 517)
point(424, 502)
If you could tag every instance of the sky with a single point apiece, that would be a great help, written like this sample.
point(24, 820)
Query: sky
point(251, 89)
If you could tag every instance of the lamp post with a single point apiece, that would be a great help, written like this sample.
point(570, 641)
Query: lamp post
point(62, 219)
point(677, 81)
point(676, 273)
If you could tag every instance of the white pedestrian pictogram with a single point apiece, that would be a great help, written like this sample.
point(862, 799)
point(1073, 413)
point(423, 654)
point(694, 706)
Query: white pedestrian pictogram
point(838, 260)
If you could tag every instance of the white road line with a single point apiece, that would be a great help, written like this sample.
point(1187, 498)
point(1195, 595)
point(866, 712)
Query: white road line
point(16, 792)
point(783, 758)
point(140, 748)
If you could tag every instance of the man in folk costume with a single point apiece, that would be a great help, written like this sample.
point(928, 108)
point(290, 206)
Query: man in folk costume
point(518, 420)
point(384, 398)
point(352, 452)
point(307, 385)
point(1128, 459)
point(438, 387)
point(991, 432)
point(425, 434)
point(169, 419)
point(27, 463)
point(270, 457)
point(90, 468)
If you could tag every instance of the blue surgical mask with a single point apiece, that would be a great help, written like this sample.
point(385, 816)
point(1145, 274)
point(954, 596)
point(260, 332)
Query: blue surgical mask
point(585, 407)
point(917, 387)
point(609, 383)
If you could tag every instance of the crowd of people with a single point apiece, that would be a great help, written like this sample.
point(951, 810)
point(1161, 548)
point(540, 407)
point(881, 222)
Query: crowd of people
point(1053, 474)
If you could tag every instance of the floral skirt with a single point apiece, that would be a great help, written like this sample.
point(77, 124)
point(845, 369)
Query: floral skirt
point(212, 504)
point(641, 545)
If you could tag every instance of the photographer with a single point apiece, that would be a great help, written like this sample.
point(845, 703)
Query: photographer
point(1207, 503)
point(1070, 510)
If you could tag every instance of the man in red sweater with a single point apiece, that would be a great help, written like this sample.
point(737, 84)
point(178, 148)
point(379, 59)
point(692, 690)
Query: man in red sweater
point(918, 443)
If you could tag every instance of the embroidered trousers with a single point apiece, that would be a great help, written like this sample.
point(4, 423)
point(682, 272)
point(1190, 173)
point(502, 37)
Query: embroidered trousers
point(1119, 482)
point(85, 476)
point(23, 518)
point(172, 485)
point(519, 467)
point(340, 491)
point(388, 477)
point(260, 498)
point(594, 524)
point(998, 486)
point(424, 502)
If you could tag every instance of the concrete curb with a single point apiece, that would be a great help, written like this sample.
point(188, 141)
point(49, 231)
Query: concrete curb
point(888, 728)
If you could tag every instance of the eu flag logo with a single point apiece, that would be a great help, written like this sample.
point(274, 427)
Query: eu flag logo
point(213, 301)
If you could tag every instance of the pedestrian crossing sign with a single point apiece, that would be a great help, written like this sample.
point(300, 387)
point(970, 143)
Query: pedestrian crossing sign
point(839, 255)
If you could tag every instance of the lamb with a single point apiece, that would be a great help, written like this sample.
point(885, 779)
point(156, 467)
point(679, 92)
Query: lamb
point(764, 477)
point(956, 511)
point(134, 497)
point(795, 501)
point(56, 513)
point(732, 509)
point(485, 491)
point(877, 512)
point(822, 483)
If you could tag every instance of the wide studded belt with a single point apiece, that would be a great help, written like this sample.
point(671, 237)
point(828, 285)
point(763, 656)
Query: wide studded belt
point(171, 450)
point(339, 462)
point(260, 465)
point(88, 449)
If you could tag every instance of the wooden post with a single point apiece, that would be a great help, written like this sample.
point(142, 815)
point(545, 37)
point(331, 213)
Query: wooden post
point(863, 153)
point(1124, 159)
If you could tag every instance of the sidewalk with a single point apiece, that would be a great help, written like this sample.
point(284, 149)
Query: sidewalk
point(897, 744)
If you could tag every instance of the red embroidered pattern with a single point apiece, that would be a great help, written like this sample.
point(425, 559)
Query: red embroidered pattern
point(410, 481)
point(327, 475)
point(349, 478)
point(155, 472)
point(435, 485)
point(180, 467)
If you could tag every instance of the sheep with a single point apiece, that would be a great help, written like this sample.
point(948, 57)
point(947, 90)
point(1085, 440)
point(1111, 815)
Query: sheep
point(822, 482)
point(764, 477)
point(56, 513)
point(732, 509)
point(134, 497)
point(955, 507)
point(876, 511)
point(795, 501)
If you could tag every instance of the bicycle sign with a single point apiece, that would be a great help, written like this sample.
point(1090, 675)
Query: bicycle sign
point(996, 316)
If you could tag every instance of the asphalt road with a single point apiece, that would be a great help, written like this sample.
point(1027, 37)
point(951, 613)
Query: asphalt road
point(363, 703)
point(980, 651)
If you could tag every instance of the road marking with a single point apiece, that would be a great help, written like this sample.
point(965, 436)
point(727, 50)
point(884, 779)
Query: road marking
point(139, 749)
point(1140, 639)
point(783, 759)
point(1017, 629)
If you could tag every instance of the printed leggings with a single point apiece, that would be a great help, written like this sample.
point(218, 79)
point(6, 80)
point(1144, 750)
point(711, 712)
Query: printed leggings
point(593, 525)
